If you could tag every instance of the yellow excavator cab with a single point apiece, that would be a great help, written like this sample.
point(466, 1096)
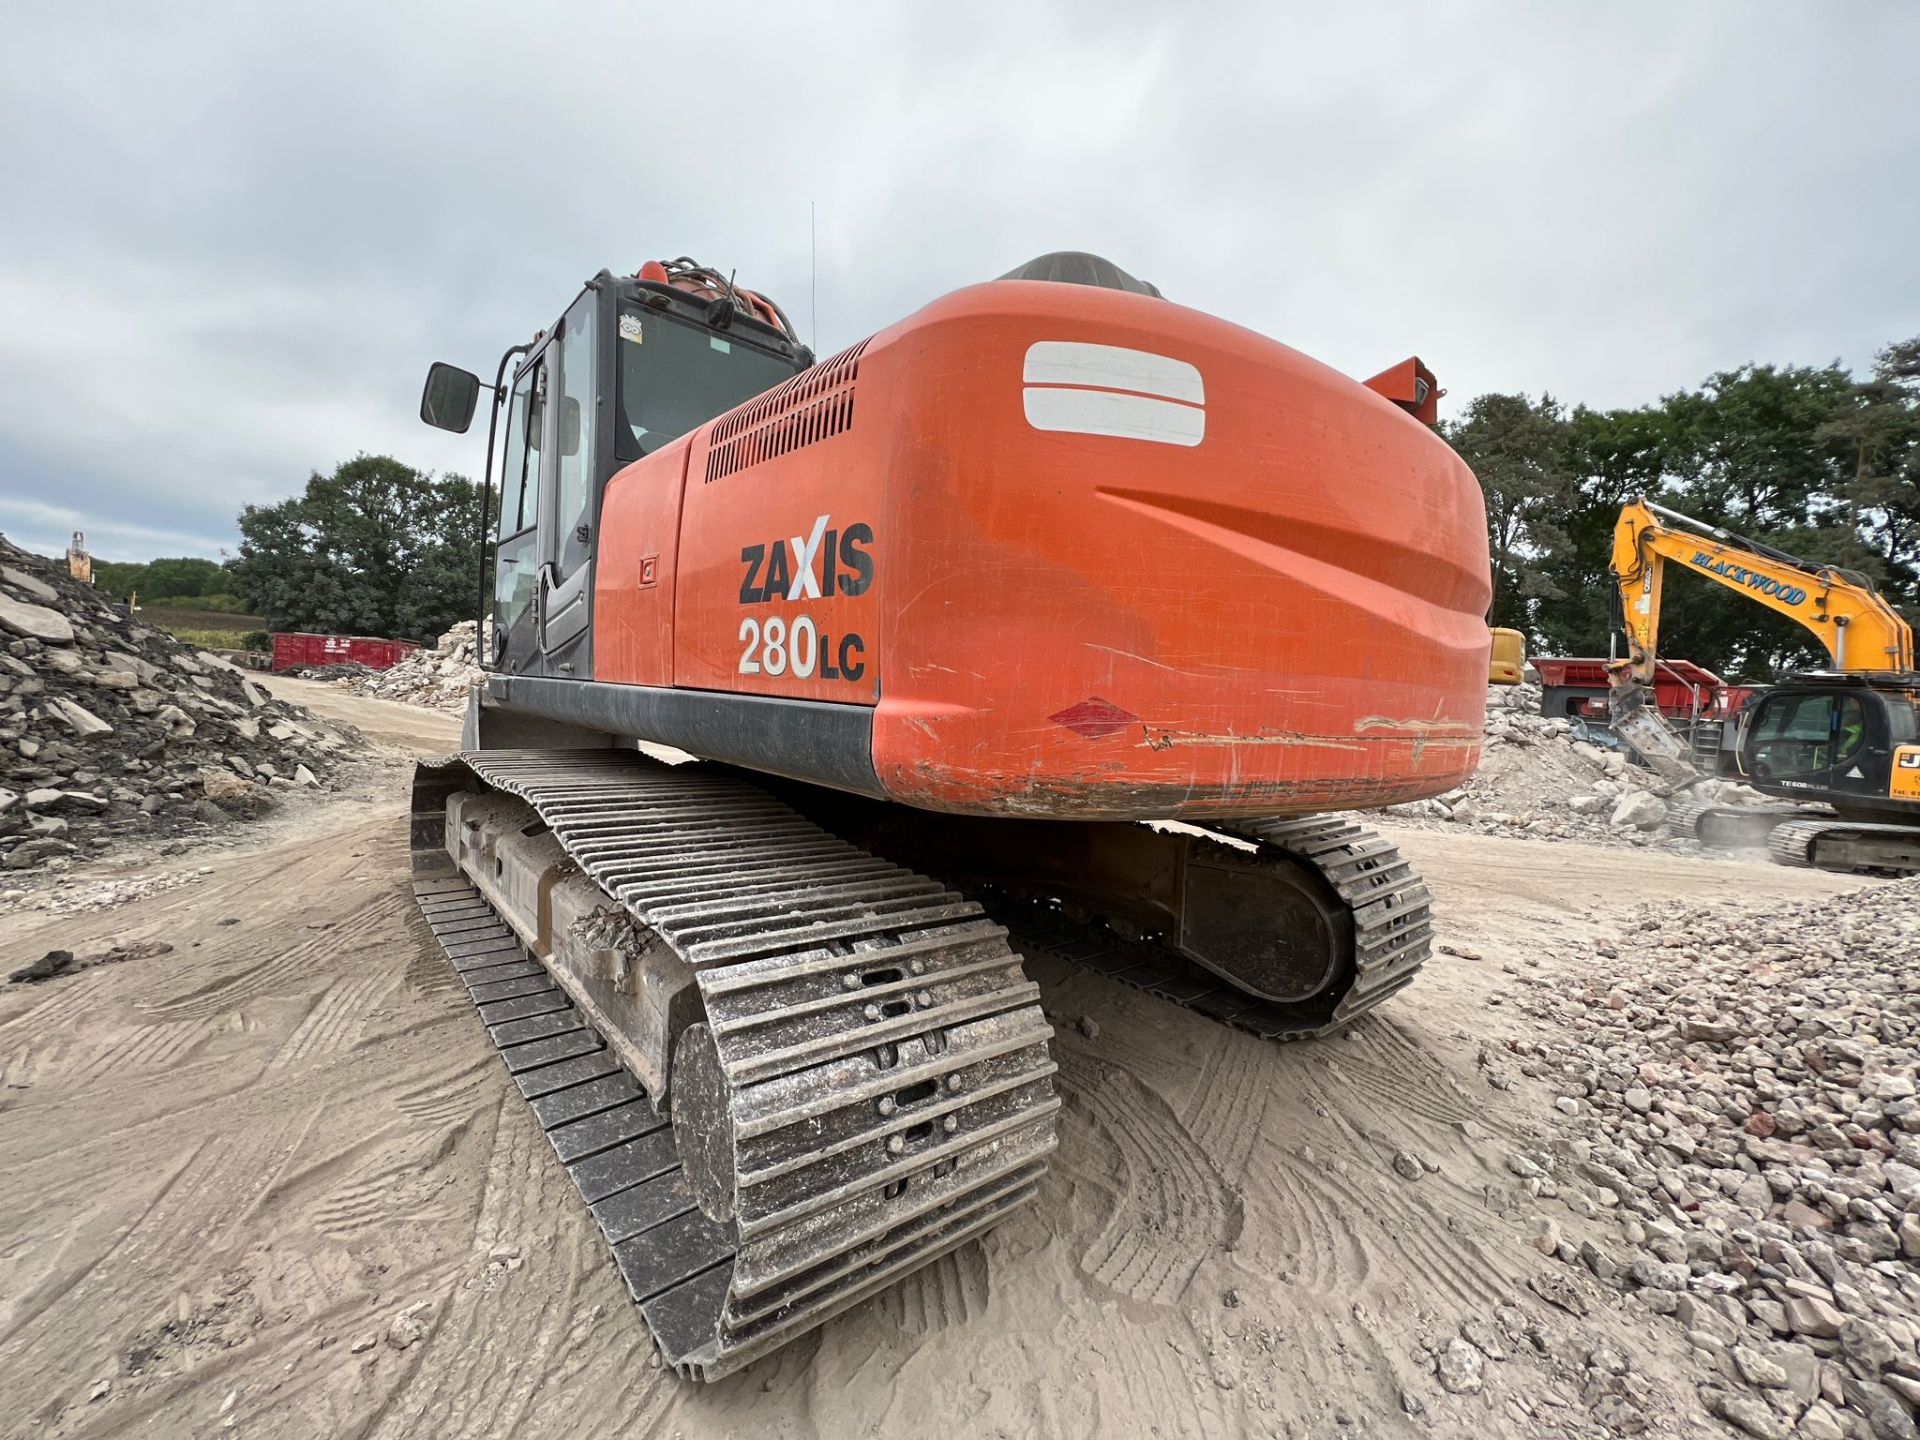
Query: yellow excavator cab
point(1509, 657)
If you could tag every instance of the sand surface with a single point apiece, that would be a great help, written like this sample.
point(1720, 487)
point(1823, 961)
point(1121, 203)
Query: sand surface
point(224, 1170)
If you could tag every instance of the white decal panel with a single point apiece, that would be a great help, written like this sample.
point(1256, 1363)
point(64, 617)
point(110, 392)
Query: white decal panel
point(1111, 390)
point(1107, 412)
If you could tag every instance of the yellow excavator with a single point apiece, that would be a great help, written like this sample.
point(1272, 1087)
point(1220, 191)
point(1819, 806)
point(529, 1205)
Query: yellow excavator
point(1845, 737)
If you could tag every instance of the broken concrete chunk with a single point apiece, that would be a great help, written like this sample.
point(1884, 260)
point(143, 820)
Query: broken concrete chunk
point(35, 621)
point(27, 585)
point(78, 718)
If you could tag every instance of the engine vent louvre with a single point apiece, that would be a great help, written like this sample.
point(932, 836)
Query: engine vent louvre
point(810, 407)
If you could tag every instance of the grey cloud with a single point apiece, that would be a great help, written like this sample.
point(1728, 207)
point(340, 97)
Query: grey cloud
point(233, 236)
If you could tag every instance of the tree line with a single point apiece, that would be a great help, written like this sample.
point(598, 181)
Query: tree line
point(188, 582)
point(375, 548)
point(1813, 460)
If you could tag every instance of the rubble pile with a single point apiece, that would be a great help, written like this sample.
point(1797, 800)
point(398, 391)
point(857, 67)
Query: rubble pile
point(1745, 1094)
point(1541, 778)
point(438, 677)
point(110, 729)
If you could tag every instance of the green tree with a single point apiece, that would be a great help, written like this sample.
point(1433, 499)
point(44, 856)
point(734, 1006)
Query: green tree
point(119, 578)
point(1752, 453)
point(1613, 455)
point(375, 548)
point(187, 575)
point(1879, 430)
point(1804, 458)
point(1518, 449)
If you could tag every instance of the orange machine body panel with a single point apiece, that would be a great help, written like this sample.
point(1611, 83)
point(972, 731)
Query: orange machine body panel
point(1086, 553)
point(634, 578)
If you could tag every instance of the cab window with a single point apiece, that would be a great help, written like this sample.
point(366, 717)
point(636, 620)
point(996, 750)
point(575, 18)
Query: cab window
point(1806, 734)
point(520, 463)
point(573, 493)
point(1850, 731)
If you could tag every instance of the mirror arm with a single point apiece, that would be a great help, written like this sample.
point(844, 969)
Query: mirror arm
point(480, 649)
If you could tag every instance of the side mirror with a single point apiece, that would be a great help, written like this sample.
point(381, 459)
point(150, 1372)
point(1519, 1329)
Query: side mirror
point(447, 402)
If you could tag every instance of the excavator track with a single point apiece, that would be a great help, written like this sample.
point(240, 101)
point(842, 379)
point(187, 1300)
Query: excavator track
point(1846, 846)
point(1392, 920)
point(1728, 827)
point(846, 1129)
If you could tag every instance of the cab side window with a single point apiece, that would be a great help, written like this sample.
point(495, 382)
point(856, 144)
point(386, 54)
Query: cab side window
point(1851, 731)
point(573, 485)
point(520, 463)
point(1795, 735)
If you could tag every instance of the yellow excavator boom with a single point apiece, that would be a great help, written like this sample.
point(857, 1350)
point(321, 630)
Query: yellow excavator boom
point(1859, 629)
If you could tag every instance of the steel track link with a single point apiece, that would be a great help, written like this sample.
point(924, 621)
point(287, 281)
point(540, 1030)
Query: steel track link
point(1791, 843)
point(883, 1058)
point(1391, 910)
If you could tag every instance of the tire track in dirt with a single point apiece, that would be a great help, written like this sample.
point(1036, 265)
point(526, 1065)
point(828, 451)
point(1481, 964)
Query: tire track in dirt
point(22, 1302)
point(142, 1049)
point(1227, 1105)
point(1306, 1225)
point(951, 1291)
point(227, 989)
point(369, 1180)
point(1148, 1373)
point(145, 1257)
point(508, 1356)
point(1395, 1072)
point(1340, 1226)
point(333, 1023)
point(1171, 1210)
point(66, 1002)
point(450, 1094)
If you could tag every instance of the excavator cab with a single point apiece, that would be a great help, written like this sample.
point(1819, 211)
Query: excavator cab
point(1837, 738)
point(633, 364)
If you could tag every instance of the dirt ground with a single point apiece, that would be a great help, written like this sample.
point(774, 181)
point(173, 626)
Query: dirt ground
point(224, 1171)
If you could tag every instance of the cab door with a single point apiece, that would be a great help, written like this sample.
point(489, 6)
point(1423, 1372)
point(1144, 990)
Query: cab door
point(564, 579)
point(516, 637)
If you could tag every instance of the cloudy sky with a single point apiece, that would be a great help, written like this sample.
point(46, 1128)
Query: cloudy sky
point(232, 236)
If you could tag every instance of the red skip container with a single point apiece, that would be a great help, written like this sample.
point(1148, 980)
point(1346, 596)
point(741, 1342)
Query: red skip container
point(290, 650)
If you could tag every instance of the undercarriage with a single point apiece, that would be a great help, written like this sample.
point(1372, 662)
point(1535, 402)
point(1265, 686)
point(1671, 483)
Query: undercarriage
point(1799, 836)
point(784, 1067)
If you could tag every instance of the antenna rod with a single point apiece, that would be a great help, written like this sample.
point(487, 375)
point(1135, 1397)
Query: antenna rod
point(813, 280)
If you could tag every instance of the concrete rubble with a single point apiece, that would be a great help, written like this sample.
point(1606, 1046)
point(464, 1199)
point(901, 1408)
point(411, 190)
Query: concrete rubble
point(1746, 1116)
point(1542, 778)
point(438, 678)
point(111, 730)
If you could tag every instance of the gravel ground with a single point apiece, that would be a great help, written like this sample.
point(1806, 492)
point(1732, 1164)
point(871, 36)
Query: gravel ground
point(1741, 1099)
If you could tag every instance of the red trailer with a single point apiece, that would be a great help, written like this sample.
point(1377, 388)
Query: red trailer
point(291, 650)
point(1577, 689)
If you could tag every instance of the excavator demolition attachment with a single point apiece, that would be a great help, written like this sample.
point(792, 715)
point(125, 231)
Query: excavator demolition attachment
point(1070, 562)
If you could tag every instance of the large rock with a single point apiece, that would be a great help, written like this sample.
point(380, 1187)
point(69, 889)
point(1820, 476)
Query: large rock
point(35, 621)
point(26, 584)
point(1639, 811)
point(82, 720)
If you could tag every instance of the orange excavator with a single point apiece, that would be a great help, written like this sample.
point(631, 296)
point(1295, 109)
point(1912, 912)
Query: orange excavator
point(944, 618)
point(1846, 737)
